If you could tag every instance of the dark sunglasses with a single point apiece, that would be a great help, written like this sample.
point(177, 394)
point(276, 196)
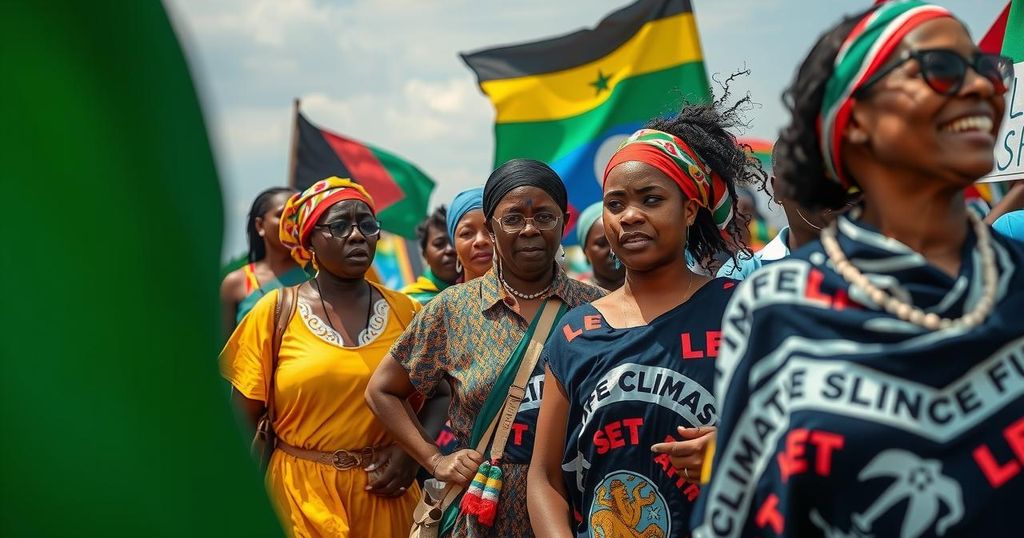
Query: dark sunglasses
point(341, 229)
point(945, 70)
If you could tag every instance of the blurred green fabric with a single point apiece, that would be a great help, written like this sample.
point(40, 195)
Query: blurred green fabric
point(114, 420)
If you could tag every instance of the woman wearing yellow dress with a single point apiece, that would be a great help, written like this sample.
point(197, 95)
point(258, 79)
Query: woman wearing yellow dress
point(336, 471)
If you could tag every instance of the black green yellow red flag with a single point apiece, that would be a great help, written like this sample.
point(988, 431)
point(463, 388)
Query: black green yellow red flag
point(399, 188)
point(570, 100)
point(115, 422)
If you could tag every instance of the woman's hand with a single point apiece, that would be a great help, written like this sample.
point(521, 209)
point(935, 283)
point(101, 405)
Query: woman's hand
point(458, 467)
point(391, 472)
point(687, 456)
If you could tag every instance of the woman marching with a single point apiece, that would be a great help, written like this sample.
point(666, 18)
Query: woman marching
point(481, 337)
point(627, 405)
point(471, 238)
point(873, 383)
point(336, 470)
point(270, 262)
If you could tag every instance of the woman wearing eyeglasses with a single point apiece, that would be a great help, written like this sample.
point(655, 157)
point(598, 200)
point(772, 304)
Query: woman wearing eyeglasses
point(336, 470)
point(872, 384)
point(472, 335)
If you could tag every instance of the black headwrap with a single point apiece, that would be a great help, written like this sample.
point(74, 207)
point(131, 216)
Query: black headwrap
point(523, 173)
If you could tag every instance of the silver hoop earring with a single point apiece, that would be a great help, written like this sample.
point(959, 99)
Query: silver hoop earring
point(458, 265)
point(561, 251)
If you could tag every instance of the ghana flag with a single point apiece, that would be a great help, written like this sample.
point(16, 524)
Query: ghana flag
point(569, 101)
point(399, 189)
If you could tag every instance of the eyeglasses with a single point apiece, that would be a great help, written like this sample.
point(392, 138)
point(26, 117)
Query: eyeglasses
point(515, 223)
point(945, 70)
point(341, 229)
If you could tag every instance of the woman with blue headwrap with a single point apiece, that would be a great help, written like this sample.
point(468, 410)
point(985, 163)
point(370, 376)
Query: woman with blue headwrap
point(467, 229)
point(608, 272)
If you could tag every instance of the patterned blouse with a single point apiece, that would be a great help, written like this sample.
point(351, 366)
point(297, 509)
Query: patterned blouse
point(464, 336)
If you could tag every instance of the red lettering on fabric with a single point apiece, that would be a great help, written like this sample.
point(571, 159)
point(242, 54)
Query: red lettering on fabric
point(793, 460)
point(517, 431)
point(813, 292)
point(998, 473)
point(712, 341)
point(591, 322)
point(570, 334)
point(769, 514)
point(610, 437)
point(825, 443)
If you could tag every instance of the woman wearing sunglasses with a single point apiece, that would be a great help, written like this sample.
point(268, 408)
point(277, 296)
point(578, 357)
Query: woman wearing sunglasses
point(336, 470)
point(476, 337)
point(873, 383)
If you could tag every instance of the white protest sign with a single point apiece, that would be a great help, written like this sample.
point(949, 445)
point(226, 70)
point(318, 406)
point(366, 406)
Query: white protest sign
point(1009, 161)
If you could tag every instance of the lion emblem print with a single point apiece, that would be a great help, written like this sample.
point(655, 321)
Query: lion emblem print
point(628, 505)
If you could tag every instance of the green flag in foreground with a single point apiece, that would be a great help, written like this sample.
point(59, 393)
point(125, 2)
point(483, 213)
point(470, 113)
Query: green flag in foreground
point(114, 420)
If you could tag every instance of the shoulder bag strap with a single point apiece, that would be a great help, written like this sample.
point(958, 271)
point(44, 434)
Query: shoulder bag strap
point(548, 316)
point(287, 301)
point(518, 389)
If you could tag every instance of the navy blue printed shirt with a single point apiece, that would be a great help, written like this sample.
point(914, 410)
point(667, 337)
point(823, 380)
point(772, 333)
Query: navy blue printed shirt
point(629, 389)
point(840, 420)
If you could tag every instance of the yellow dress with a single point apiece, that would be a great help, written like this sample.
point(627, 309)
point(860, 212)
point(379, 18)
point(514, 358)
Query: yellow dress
point(319, 405)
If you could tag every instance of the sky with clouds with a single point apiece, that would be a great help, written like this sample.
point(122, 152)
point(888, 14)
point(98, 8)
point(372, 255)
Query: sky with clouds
point(387, 72)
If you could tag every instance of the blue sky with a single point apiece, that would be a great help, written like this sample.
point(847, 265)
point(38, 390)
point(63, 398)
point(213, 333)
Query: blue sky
point(387, 72)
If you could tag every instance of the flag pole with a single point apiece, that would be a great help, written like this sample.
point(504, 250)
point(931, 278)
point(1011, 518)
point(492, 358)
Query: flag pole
point(293, 151)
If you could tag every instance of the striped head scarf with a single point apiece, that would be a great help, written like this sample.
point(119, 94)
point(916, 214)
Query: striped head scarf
point(303, 210)
point(864, 52)
point(669, 154)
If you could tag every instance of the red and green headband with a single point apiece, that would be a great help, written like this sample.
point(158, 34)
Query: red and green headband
point(864, 52)
point(677, 160)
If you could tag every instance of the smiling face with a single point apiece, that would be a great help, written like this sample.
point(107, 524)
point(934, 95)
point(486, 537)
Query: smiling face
point(529, 253)
point(473, 244)
point(646, 216)
point(903, 125)
point(347, 258)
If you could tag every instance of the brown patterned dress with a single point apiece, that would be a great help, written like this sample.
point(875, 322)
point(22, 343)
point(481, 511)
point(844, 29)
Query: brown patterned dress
point(465, 336)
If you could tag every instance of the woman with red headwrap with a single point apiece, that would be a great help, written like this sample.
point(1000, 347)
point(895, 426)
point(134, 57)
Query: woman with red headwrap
point(872, 383)
point(627, 407)
point(336, 470)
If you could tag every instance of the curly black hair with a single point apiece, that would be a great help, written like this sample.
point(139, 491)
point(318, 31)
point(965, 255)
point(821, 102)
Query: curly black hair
point(438, 219)
point(259, 207)
point(705, 127)
point(798, 157)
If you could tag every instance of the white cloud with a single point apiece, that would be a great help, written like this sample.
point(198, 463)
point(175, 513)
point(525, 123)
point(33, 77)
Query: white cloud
point(387, 72)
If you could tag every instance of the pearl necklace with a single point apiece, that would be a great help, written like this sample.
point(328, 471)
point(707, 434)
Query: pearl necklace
point(517, 293)
point(908, 312)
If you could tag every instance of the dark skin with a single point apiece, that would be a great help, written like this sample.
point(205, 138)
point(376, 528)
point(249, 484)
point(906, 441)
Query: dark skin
point(646, 216)
point(804, 224)
point(534, 271)
point(599, 254)
point(473, 245)
point(277, 262)
point(341, 284)
point(440, 254)
point(911, 166)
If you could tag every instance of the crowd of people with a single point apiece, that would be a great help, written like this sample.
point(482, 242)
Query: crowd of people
point(861, 374)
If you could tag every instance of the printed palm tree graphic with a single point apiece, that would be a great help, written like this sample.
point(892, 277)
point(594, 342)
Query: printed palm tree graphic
point(924, 486)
